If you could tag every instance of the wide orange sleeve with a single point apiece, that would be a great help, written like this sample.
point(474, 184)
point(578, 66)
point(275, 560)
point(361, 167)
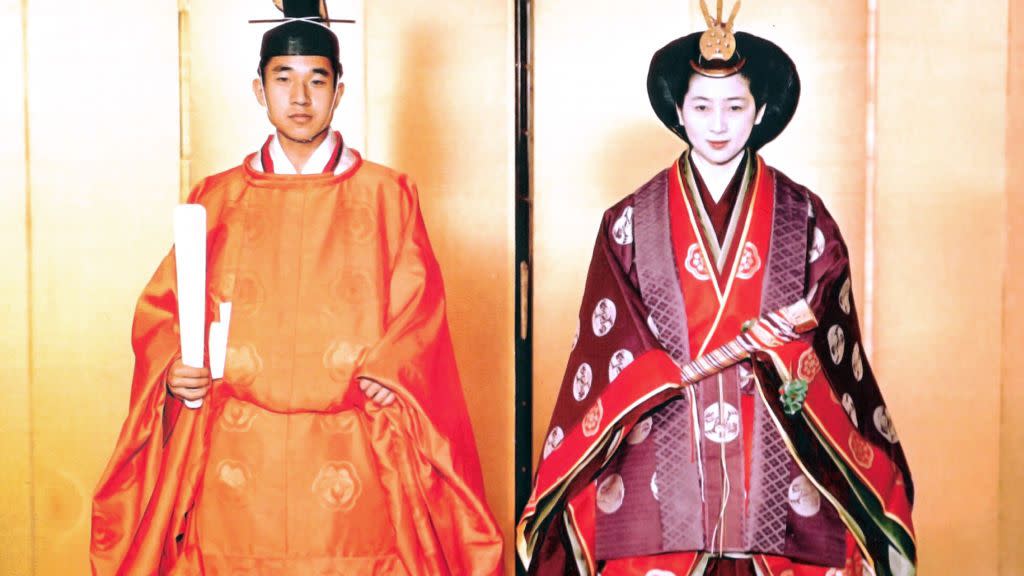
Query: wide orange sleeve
point(414, 358)
point(148, 486)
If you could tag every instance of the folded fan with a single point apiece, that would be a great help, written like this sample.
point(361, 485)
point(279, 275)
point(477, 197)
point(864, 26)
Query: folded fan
point(190, 263)
point(769, 331)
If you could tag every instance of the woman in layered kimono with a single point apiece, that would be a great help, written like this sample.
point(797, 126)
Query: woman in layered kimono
point(717, 415)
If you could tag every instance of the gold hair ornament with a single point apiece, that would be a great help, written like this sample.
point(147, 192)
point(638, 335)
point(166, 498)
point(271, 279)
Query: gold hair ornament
point(718, 42)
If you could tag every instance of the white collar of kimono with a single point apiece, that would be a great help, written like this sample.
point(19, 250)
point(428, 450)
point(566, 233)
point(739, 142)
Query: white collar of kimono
point(317, 161)
point(716, 178)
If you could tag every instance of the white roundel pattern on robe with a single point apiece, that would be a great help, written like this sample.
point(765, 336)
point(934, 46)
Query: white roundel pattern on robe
point(610, 493)
point(804, 498)
point(233, 474)
point(618, 363)
point(554, 440)
point(654, 485)
point(857, 362)
point(657, 572)
point(721, 423)
point(640, 432)
point(808, 365)
point(622, 231)
point(884, 425)
point(844, 297)
point(851, 410)
point(818, 248)
point(340, 359)
point(898, 564)
point(243, 365)
point(237, 416)
point(836, 343)
point(811, 292)
point(582, 382)
point(360, 221)
point(862, 452)
point(604, 317)
point(653, 327)
point(337, 486)
point(745, 376)
point(592, 419)
point(695, 263)
point(750, 262)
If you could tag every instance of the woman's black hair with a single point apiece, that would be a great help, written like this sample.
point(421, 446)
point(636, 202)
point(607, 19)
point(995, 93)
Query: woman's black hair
point(773, 79)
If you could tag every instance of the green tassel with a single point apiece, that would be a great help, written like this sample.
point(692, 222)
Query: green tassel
point(793, 394)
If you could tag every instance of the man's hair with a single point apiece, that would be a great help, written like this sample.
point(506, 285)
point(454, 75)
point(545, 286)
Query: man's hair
point(336, 69)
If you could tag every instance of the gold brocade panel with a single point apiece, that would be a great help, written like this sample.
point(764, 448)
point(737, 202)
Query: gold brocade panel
point(1011, 457)
point(940, 237)
point(15, 441)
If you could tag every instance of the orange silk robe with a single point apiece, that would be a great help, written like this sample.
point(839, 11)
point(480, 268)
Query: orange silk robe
point(287, 469)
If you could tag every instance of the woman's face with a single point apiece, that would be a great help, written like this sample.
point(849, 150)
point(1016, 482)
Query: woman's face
point(718, 115)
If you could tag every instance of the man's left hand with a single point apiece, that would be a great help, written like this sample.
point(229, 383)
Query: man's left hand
point(376, 392)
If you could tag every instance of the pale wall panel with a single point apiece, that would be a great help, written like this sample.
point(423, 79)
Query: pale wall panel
point(1011, 463)
point(597, 139)
point(823, 148)
point(104, 177)
point(440, 108)
point(15, 473)
point(226, 121)
point(940, 233)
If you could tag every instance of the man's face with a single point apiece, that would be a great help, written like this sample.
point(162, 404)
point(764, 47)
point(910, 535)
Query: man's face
point(299, 94)
point(718, 115)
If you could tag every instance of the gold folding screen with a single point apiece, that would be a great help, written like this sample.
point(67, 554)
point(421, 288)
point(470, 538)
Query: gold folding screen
point(15, 442)
point(1011, 457)
point(941, 229)
point(921, 200)
point(90, 169)
point(88, 181)
point(92, 165)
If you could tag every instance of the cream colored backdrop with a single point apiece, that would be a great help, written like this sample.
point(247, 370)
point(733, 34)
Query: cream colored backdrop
point(921, 199)
point(99, 146)
point(90, 173)
point(930, 202)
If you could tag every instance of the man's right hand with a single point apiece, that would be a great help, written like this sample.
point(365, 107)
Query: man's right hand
point(188, 383)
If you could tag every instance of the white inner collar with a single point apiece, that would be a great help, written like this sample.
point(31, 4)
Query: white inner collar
point(716, 177)
point(316, 163)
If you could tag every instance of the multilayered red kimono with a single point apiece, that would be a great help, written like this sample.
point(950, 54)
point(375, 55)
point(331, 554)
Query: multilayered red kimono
point(287, 468)
point(641, 474)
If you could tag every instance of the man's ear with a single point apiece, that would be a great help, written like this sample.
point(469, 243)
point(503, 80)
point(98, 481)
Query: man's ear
point(257, 90)
point(760, 114)
point(338, 93)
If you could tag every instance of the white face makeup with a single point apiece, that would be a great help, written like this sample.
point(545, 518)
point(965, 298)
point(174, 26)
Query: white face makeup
point(718, 115)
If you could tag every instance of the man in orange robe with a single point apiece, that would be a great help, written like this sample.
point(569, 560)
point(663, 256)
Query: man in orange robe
point(338, 441)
